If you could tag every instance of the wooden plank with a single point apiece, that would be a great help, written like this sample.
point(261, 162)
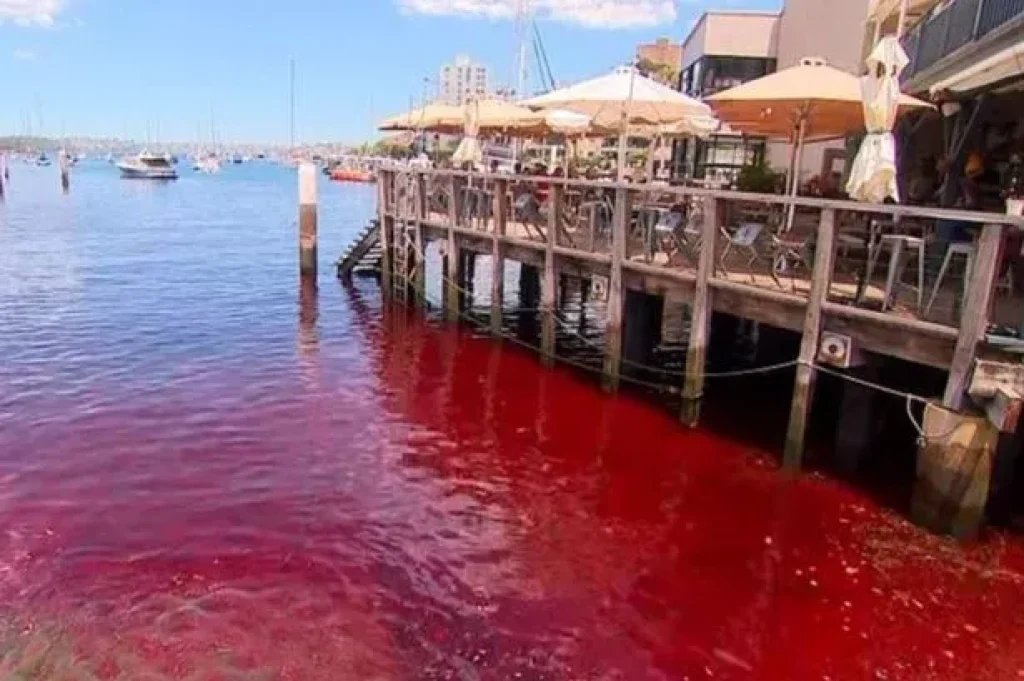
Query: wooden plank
point(419, 274)
point(549, 281)
point(988, 377)
point(974, 322)
point(613, 323)
point(498, 257)
point(1003, 410)
point(700, 318)
point(451, 256)
point(803, 388)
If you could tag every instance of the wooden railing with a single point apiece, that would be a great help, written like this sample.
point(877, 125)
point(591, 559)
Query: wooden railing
point(872, 271)
point(952, 26)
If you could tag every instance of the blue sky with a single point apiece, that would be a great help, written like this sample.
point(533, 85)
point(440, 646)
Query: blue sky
point(118, 67)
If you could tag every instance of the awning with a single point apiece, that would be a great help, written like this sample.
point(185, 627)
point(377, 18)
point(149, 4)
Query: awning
point(1002, 65)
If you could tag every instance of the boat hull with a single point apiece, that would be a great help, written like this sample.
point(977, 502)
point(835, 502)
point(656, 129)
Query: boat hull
point(136, 173)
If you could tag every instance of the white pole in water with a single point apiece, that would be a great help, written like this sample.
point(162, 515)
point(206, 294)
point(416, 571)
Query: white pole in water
point(307, 219)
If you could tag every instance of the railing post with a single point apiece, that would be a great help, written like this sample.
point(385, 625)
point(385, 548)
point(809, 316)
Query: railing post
point(700, 317)
point(549, 285)
point(498, 257)
point(613, 324)
point(451, 255)
point(803, 389)
point(307, 219)
point(974, 321)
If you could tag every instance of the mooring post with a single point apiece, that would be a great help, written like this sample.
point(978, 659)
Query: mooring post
point(307, 219)
point(803, 388)
point(384, 185)
point(498, 257)
point(3, 174)
point(451, 255)
point(549, 285)
point(700, 316)
point(65, 171)
point(613, 323)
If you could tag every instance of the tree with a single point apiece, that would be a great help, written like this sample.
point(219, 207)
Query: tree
point(666, 74)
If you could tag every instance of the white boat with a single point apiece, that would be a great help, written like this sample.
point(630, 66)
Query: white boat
point(43, 160)
point(147, 166)
point(208, 165)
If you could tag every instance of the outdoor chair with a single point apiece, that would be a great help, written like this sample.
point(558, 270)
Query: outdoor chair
point(747, 238)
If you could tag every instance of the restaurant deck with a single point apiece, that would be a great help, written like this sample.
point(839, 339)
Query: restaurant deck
point(874, 276)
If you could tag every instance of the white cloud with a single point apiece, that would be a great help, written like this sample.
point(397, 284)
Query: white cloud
point(22, 54)
point(31, 12)
point(588, 13)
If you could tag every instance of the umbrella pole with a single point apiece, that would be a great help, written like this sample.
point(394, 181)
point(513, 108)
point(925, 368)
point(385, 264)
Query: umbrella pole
point(627, 111)
point(798, 152)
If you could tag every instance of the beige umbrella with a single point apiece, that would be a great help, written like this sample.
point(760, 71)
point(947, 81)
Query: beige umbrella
point(873, 175)
point(429, 117)
point(621, 99)
point(808, 102)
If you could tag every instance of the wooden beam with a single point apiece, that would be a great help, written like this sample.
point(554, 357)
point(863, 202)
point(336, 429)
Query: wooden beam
point(419, 284)
point(613, 323)
point(974, 321)
point(803, 389)
point(549, 281)
point(988, 377)
point(451, 255)
point(498, 257)
point(700, 318)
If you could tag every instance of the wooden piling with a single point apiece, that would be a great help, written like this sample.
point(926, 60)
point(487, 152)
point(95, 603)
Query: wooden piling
point(307, 219)
point(3, 175)
point(419, 284)
point(384, 185)
point(498, 257)
point(451, 254)
point(700, 316)
point(803, 389)
point(549, 285)
point(65, 172)
point(975, 317)
point(613, 323)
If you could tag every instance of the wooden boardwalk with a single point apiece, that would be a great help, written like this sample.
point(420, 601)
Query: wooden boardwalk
point(719, 251)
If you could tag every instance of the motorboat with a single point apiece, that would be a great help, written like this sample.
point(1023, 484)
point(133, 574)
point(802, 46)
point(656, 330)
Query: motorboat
point(147, 166)
point(339, 174)
point(43, 160)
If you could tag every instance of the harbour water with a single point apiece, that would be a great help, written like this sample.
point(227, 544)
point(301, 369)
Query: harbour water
point(209, 471)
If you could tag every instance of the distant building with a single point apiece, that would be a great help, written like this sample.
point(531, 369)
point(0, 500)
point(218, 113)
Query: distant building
point(728, 48)
point(461, 81)
point(662, 53)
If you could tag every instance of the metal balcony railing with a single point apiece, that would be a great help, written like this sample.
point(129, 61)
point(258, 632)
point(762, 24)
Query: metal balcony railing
point(953, 25)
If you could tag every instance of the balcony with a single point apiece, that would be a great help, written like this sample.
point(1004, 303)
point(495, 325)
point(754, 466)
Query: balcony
point(953, 25)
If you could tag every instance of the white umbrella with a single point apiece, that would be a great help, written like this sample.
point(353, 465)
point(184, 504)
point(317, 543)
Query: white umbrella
point(623, 98)
point(469, 150)
point(873, 175)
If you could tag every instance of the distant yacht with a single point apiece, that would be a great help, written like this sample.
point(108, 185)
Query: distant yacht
point(43, 160)
point(209, 165)
point(147, 166)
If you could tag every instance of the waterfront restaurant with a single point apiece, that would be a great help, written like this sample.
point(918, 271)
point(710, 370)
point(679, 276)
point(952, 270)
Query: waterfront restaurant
point(882, 304)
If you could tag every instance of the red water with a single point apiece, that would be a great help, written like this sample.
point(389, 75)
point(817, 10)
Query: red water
point(207, 473)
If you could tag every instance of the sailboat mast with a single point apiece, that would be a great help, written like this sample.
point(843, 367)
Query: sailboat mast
point(291, 106)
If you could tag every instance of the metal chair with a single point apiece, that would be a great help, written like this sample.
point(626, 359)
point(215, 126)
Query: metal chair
point(899, 245)
point(745, 238)
point(965, 250)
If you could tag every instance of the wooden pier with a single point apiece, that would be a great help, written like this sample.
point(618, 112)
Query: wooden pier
point(861, 278)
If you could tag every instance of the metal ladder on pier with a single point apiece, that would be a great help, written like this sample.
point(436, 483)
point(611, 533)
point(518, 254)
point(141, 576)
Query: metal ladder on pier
point(363, 255)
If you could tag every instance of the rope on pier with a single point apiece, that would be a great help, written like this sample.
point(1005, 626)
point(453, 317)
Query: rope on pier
point(908, 397)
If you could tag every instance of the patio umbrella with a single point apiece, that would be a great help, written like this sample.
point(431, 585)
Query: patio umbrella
point(428, 117)
point(873, 175)
point(621, 99)
point(808, 102)
point(469, 149)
